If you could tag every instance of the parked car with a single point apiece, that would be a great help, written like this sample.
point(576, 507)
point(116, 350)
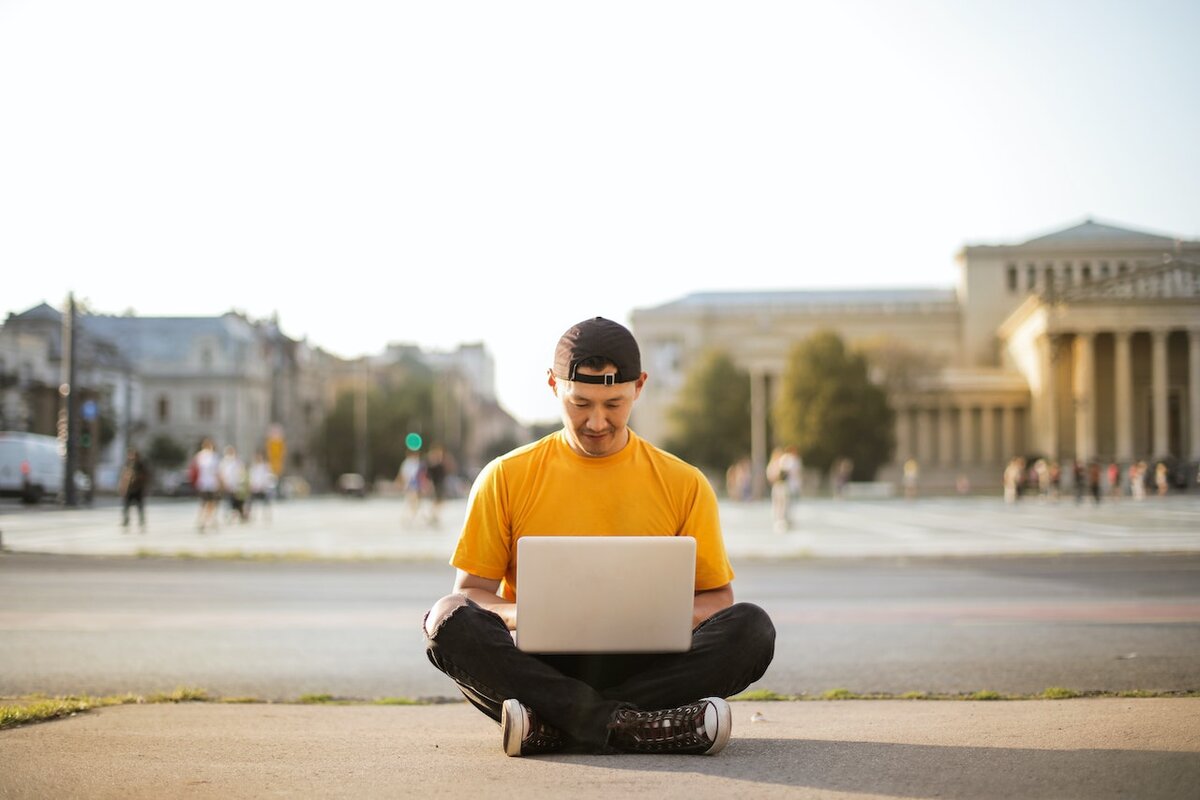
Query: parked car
point(31, 466)
point(352, 484)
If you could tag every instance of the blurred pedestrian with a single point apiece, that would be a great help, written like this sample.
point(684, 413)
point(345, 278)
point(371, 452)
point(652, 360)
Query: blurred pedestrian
point(1114, 480)
point(262, 484)
point(206, 478)
point(1162, 478)
point(783, 472)
point(437, 470)
point(738, 483)
point(1093, 478)
point(841, 476)
point(234, 483)
point(1012, 479)
point(409, 480)
point(132, 485)
point(912, 477)
point(1137, 480)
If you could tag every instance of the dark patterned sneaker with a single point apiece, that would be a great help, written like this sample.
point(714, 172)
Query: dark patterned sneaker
point(701, 728)
point(524, 733)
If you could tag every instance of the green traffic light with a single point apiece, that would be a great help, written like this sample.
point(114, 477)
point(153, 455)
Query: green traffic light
point(413, 441)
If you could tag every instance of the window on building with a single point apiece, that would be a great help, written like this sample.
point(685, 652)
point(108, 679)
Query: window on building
point(1012, 278)
point(1104, 270)
point(1048, 276)
point(1031, 277)
point(206, 408)
point(164, 409)
point(1068, 275)
point(1085, 272)
point(1122, 268)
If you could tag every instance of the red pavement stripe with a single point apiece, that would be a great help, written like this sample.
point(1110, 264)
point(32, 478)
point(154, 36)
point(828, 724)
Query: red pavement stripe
point(1001, 612)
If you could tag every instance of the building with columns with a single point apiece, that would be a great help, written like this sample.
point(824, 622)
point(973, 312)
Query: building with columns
point(1080, 344)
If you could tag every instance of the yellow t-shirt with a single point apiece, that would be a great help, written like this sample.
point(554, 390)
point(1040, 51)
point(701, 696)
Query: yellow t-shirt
point(547, 489)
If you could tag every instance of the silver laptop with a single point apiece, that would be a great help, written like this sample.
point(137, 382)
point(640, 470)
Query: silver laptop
point(605, 594)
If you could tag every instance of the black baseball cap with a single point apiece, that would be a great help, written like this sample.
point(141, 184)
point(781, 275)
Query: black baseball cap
point(598, 338)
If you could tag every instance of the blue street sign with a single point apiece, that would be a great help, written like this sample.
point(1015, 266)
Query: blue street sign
point(88, 410)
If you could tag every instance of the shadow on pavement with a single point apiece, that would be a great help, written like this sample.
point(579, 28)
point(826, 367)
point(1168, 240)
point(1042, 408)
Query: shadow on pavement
point(906, 770)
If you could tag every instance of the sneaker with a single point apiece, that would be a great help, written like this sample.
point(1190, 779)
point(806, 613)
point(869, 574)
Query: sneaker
point(701, 728)
point(524, 734)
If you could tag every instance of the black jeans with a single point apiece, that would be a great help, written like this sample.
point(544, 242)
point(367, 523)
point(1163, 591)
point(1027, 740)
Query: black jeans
point(577, 694)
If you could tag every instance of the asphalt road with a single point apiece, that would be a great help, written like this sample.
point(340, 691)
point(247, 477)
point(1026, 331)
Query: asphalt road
point(352, 629)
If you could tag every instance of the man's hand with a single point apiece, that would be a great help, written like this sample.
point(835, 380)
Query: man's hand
point(482, 591)
point(710, 601)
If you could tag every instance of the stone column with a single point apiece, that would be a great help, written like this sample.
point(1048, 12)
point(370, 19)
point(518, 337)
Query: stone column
point(1158, 391)
point(966, 439)
point(925, 433)
point(1194, 391)
point(903, 430)
point(1085, 401)
point(987, 435)
point(945, 436)
point(1047, 428)
point(1123, 395)
point(1008, 434)
point(758, 432)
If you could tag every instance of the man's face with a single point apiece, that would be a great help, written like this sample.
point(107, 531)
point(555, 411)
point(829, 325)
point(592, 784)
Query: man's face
point(595, 415)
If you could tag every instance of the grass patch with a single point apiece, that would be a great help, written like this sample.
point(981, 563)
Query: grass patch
point(316, 699)
point(1059, 693)
point(241, 700)
point(39, 711)
point(986, 694)
point(763, 696)
point(398, 701)
point(184, 694)
point(838, 694)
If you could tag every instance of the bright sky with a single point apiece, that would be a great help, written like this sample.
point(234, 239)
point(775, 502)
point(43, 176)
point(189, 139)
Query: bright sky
point(440, 173)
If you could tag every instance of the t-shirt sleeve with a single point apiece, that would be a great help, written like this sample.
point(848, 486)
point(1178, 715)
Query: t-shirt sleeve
point(703, 522)
point(485, 545)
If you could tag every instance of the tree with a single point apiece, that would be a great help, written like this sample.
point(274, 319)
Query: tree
point(399, 407)
point(829, 408)
point(899, 367)
point(165, 452)
point(710, 423)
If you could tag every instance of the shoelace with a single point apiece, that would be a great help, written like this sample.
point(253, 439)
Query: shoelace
point(661, 731)
point(541, 736)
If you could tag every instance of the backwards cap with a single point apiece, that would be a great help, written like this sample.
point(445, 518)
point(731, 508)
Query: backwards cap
point(598, 338)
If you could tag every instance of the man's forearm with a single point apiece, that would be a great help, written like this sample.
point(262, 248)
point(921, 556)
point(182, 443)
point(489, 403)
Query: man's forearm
point(505, 609)
point(710, 602)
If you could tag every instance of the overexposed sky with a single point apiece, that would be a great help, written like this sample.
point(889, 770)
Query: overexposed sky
point(439, 173)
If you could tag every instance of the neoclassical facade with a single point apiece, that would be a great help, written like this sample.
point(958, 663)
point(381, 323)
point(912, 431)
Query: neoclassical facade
point(1080, 344)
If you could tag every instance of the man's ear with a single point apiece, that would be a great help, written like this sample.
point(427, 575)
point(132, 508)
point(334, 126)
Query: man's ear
point(637, 387)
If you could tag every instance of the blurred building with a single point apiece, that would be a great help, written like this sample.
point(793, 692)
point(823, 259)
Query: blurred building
point(179, 378)
point(1082, 343)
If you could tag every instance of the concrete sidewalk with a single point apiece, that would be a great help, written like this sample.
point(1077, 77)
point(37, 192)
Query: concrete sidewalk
point(1057, 750)
point(336, 527)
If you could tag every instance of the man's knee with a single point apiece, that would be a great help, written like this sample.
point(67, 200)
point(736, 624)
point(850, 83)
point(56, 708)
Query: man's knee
point(754, 627)
point(441, 611)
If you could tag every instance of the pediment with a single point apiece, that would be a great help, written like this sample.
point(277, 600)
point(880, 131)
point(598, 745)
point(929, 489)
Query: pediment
point(1175, 279)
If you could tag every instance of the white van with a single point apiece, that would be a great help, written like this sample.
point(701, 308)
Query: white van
point(31, 466)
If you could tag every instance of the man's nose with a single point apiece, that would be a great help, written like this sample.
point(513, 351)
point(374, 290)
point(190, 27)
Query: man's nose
point(596, 420)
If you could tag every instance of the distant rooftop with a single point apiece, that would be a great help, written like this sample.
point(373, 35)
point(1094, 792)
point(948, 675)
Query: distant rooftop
point(1090, 234)
point(839, 298)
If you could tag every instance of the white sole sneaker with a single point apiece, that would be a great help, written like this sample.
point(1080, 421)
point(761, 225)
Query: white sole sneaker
point(514, 724)
point(718, 724)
